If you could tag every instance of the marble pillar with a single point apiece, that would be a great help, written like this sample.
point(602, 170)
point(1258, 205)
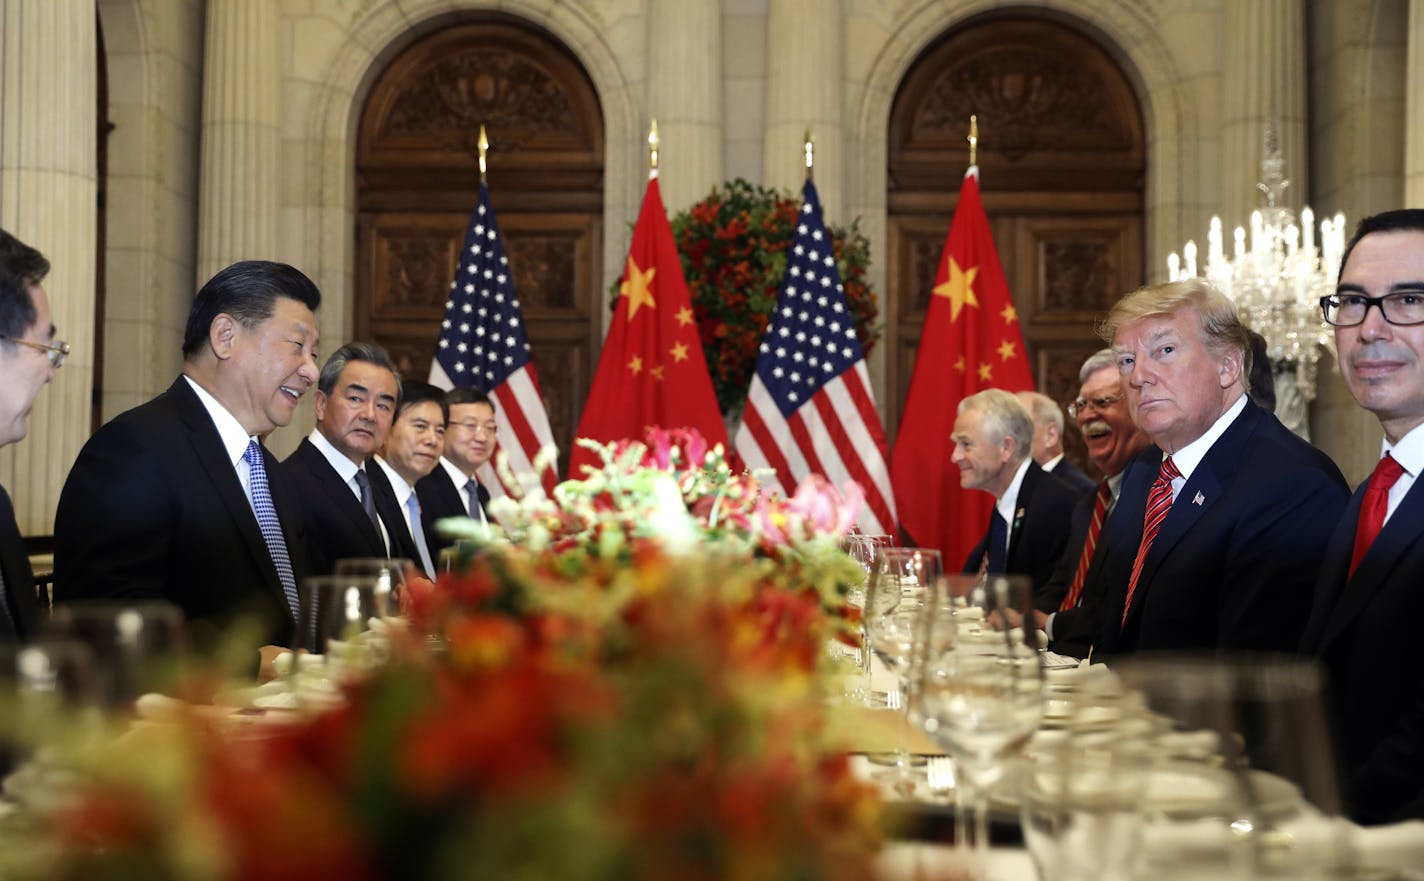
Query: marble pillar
point(685, 96)
point(240, 173)
point(805, 58)
point(1414, 108)
point(48, 195)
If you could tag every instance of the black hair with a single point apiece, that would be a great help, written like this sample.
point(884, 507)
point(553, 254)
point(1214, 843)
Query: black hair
point(248, 291)
point(20, 267)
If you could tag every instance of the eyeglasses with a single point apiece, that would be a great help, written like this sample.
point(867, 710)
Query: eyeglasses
point(1401, 308)
point(56, 353)
point(477, 427)
point(1082, 405)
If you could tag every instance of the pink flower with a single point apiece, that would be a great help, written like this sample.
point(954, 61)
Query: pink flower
point(820, 508)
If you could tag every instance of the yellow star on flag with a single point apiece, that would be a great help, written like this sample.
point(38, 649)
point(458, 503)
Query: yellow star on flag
point(984, 370)
point(658, 373)
point(684, 316)
point(679, 352)
point(958, 288)
point(637, 287)
point(1006, 350)
point(960, 365)
point(1010, 313)
point(636, 365)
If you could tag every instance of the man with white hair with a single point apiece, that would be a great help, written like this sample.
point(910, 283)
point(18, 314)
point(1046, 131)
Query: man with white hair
point(1047, 419)
point(993, 436)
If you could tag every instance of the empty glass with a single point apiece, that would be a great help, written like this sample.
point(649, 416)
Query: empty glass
point(137, 645)
point(388, 572)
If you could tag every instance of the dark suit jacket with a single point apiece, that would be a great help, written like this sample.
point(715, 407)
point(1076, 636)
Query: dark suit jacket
point(1364, 632)
point(1038, 536)
point(20, 600)
point(337, 525)
point(1075, 629)
point(153, 508)
point(392, 514)
point(1235, 561)
point(1072, 475)
point(440, 498)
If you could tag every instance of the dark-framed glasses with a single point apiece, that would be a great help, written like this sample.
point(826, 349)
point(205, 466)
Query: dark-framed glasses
point(1401, 308)
point(1101, 403)
point(56, 352)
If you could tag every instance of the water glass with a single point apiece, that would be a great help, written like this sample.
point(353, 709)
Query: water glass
point(137, 645)
point(388, 572)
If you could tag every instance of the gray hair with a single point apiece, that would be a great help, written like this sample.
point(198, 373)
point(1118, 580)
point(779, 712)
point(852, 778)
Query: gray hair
point(356, 351)
point(1042, 409)
point(1102, 359)
point(1003, 416)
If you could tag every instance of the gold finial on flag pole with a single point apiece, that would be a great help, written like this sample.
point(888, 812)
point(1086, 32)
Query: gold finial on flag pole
point(973, 139)
point(810, 153)
point(653, 149)
point(483, 144)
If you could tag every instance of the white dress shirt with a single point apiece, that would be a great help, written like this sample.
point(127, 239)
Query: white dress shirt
point(1409, 453)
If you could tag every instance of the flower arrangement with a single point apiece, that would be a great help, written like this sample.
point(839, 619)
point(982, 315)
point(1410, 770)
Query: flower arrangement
point(611, 700)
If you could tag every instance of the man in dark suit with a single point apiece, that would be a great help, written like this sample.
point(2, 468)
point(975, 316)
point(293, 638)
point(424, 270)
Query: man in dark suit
point(453, 489)
point(177, 499)
point(1048, 441)
point(350, 508)
point(1370, 595)
point(28, 358)
point(1221, 525)
point(992, 439)
point(411, 452)
point(1113, 439)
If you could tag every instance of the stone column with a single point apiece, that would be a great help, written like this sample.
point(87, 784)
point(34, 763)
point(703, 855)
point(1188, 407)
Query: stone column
point(239, 179)
point(48, 195)
point(685, 95)
point(1263, 82)
point(1414, 107)
point(805, 55)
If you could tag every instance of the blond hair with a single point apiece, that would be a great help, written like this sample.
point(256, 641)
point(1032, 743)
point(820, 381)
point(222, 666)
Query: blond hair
point(1221, 327)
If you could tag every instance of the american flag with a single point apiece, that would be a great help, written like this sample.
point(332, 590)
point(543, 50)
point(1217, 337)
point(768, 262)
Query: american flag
point(810, 409)
point(483, 344)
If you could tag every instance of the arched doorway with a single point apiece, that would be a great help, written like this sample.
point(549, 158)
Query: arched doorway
point(1062, 163)
point(417, 181)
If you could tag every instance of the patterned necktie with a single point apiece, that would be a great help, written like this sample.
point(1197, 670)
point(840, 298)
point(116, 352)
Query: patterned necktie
point(269, 524)
point(1159, 501)
point(998, 549)
point(1373, 507)
point(1095, 528)
point(417, 533)
point(368, 504)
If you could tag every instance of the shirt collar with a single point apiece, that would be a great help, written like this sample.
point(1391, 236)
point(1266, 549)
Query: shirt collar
point(1189, 457)
point(398, 484)
point(458, 477)
point(344, 466)
point(1409, 452)
point(1052, 463)
point(233, 436)
point(1006, 502)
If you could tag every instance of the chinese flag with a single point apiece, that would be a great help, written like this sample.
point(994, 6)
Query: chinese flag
point(970, 341)
point(652, 370)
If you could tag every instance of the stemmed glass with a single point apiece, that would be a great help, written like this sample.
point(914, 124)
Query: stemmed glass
point(137, 645)
point(979, 687)
point(388, 572)
point(864, 549)
point(894, 598)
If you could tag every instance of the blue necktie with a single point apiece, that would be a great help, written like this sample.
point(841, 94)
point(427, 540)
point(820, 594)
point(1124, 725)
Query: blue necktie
point(473, 489)
point(269, 524)
point(998, 543)
point(417, 532)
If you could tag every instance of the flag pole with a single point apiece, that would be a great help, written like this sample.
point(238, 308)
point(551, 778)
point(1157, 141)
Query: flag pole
point(810, 148)
point(483, 144)
point(653, 150)
point(973, 140)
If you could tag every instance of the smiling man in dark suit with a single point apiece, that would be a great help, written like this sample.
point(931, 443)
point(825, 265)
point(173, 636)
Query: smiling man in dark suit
point(28, 358)
point(993, 436)
point(1221, 525)
point(177, 499)
point(1370, 597)
point(453, 488)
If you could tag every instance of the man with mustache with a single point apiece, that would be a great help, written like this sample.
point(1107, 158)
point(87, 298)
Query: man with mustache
point(178, 499)
point(1222, 523)
point(1370, 596)
point(1101, 414)
point(1048, 441)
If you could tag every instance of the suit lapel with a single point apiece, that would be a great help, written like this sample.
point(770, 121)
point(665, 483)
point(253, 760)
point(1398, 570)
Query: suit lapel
point(19, 579)
point(402, 545)
point(341, 493)
point(1021, 507)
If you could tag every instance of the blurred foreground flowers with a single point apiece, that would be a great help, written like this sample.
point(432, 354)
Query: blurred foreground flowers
point(632, 689)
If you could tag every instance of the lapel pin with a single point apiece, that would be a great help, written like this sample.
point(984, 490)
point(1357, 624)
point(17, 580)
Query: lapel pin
point(1198, 499)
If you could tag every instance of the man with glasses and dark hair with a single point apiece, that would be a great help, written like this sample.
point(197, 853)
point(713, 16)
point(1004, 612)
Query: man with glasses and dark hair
point(1370, 596)
point(178, 499)
point(29, 356)
point(453, 489)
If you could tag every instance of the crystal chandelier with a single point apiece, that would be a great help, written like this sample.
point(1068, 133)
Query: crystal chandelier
point(1276, 275)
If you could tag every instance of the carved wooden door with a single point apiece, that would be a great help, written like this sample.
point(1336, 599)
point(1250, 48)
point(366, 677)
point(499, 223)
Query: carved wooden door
point(1062, 160)
point(417, 182)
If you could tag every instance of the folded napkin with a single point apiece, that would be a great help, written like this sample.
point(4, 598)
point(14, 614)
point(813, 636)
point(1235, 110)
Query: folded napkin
point(1398, 846)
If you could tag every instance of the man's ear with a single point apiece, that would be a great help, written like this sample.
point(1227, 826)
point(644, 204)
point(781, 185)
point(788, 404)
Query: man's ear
point(222, 335)
point(319, 399)
point(1230, 371)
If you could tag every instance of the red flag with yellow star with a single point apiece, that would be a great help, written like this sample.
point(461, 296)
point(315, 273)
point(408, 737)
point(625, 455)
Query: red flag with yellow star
point(652, 370)
point(971, 341)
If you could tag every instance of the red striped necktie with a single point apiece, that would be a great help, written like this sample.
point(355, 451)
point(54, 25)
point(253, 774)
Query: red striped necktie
point(1095, 527)
point(1159, 502)
point(1373, 507)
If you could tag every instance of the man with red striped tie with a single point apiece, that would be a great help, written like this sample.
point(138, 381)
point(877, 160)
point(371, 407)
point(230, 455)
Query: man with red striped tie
point(1221, 525)
point(1370, 597)
point(1113, 439)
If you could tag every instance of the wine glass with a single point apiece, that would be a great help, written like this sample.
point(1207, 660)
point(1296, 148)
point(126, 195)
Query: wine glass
point(864, 549)
point(48, 693)
point(137, 645)
point(388, 572)
point(1243, 779)
point(894, 598)
point(979, 688)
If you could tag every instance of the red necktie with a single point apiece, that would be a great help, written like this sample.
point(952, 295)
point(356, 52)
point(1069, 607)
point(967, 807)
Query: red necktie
point(1159, 501)
point(1100, 512)
point(1373, 508)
